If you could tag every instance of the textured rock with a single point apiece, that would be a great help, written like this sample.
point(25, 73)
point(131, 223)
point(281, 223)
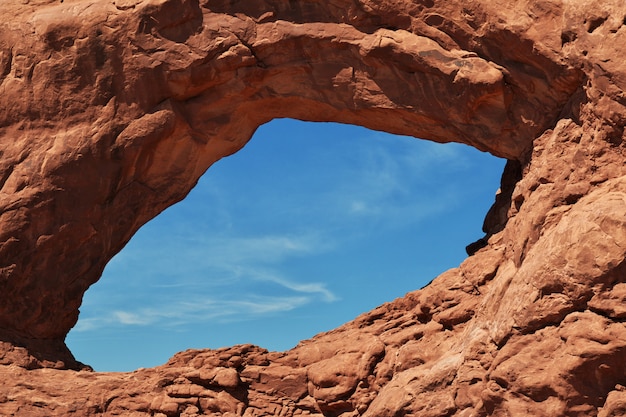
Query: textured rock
point(111, 110)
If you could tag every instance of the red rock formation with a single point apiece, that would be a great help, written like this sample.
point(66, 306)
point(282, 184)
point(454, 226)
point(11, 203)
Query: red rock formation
point(111, 110)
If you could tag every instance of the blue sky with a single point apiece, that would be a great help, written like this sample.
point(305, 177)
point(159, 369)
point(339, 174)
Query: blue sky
point(308, 226)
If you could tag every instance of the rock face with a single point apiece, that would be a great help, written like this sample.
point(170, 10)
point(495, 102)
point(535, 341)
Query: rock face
point(111, 110)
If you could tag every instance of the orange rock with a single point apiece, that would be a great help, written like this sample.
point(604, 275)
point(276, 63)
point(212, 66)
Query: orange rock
point(111, 110)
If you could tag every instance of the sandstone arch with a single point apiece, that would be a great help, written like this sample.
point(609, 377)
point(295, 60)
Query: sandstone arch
point(346, 201)
point(112, 110)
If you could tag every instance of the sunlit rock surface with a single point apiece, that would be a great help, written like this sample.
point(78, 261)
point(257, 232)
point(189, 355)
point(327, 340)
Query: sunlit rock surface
point(110, 110)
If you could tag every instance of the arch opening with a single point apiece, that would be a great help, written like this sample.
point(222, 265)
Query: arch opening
point(306, 227)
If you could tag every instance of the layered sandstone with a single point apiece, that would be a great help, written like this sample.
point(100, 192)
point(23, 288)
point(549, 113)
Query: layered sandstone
point(111, 110)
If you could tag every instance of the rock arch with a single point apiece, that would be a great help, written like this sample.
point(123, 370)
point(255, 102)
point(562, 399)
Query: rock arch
point(112, 110)
point(342, 208)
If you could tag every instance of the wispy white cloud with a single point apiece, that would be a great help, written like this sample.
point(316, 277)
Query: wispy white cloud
point(195, 311)
point(220, 249)
point(182, 281)
point(271, 305)
point(392, 186)
point(86, 324)
point(358, 206)
point(259, 249)
point(125, 317)
point(311, 288)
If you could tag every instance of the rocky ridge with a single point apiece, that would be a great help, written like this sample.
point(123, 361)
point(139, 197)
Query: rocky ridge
point(111, 110)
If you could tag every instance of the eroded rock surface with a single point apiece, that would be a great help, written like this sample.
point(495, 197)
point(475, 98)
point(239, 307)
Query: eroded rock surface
point(111, 110)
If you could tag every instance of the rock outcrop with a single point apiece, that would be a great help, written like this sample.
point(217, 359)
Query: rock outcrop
point(111, 110)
